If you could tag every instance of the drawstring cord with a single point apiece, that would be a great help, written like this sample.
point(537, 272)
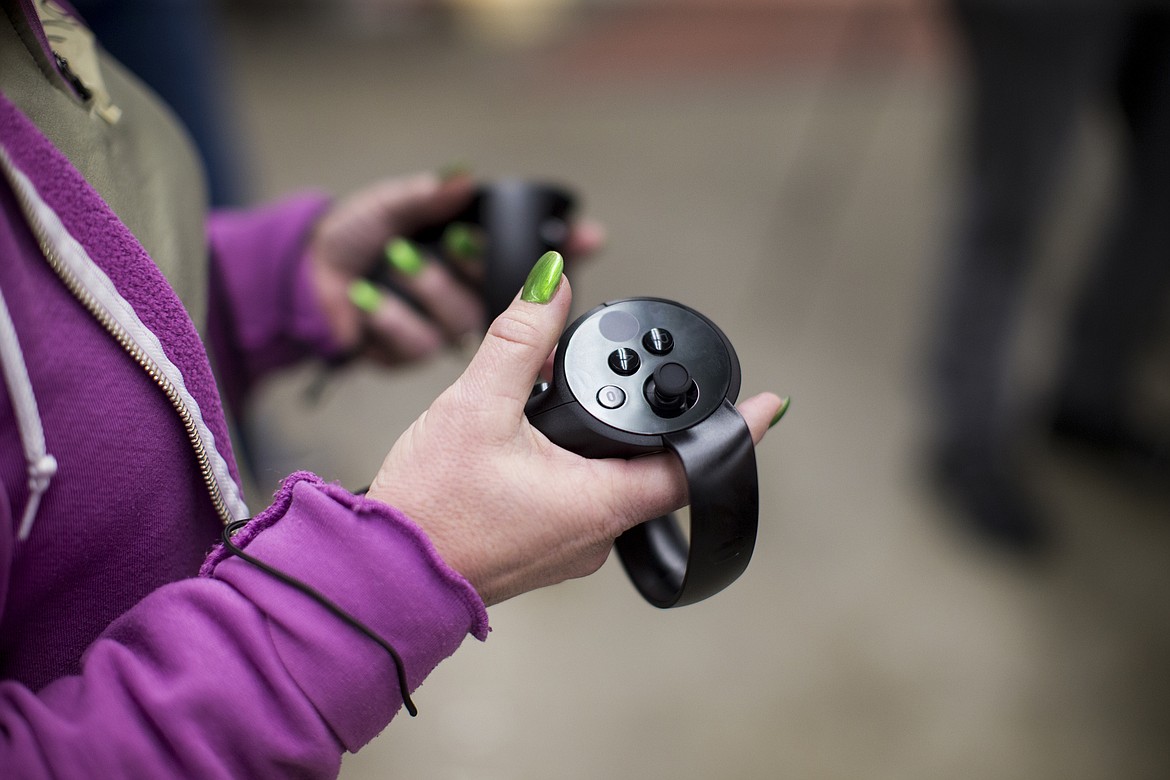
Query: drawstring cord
point(42, 466)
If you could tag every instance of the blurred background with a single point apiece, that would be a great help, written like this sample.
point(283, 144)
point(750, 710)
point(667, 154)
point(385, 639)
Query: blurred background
point(824, 179)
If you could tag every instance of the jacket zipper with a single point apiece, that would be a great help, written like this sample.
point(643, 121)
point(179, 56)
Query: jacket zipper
point(136, 352)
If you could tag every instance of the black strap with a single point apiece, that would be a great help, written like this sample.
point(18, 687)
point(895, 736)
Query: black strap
point(720, 462)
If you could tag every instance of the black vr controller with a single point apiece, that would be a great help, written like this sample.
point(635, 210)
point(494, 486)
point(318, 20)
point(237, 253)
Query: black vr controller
point(514, 222)
point(643, 375)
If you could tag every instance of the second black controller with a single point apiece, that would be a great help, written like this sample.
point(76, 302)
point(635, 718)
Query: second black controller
point(512, 222)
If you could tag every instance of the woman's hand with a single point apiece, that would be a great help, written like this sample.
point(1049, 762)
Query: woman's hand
point(442, 308)
point(504, 506)
point(352, 237)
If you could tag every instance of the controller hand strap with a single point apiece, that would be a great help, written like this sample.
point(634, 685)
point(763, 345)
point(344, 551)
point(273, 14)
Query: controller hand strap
point(720, 463)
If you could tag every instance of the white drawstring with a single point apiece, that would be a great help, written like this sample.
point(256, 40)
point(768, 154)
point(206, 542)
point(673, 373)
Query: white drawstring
point(40, 474)
point(74, 258)
point(41, 465)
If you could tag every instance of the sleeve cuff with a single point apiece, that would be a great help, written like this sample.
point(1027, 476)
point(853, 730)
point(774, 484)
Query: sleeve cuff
point(263, 312)
point(377, 565)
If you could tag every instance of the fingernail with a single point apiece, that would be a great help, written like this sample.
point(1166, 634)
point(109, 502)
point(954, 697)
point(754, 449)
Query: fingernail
point(365, 295)
point(544, 278)
point(780, 412)
point(454, 171)
point(462, 241)
point(405, 257)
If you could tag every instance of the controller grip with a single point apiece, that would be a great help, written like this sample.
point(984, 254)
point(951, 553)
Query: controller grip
point(522, 221)
point(555, 413)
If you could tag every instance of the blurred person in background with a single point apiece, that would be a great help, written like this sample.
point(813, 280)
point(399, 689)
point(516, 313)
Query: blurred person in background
point(1035, 67)
point(127, 649)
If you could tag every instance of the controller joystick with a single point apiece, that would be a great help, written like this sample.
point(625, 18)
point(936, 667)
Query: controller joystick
point(515, 222)
point(644, 375)
point(668, 390)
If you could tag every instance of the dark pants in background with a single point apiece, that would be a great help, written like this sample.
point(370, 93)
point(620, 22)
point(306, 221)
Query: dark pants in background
point(1035, 68)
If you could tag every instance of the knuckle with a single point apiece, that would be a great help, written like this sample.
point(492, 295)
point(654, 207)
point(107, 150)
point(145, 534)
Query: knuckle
point(592, 561)
point(514, 330)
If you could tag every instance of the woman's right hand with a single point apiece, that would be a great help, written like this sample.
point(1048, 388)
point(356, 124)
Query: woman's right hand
point(504, 506)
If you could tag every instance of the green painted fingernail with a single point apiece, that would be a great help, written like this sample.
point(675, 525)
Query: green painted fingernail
point(365, 295)
point(544, 278)
point(780, 412)
point(405, 256)
point(462, 240)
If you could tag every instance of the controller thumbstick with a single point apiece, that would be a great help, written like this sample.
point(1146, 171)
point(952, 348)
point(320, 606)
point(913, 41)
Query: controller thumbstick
point(668, 390)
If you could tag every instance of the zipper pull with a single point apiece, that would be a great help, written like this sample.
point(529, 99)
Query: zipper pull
point(76, 56)
point(83, 92)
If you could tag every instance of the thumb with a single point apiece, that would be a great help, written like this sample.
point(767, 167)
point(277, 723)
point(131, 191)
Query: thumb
point(519, 341)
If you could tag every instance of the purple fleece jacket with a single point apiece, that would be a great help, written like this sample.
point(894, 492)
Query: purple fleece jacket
point(126, 650)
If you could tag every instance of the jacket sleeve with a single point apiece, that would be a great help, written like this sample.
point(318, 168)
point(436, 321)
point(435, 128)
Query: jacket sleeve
point(234, 673)
point(262, 309)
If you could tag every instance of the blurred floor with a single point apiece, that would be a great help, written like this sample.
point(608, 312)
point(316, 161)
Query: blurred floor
point(788, 173)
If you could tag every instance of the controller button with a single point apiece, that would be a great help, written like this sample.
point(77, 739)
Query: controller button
point(658, 341)
point(611, 397)
point(670, 391)
point(618, 325)
point(624, 361)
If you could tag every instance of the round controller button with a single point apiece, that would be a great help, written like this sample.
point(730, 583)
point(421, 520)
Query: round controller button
point(658, 341)
point(611, 397)
point(618, 325)
point(624, 361)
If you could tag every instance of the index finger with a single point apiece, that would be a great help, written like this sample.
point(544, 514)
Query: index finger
point(653, 486)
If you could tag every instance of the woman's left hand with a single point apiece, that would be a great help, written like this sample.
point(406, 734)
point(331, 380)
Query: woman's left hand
point(431, 305)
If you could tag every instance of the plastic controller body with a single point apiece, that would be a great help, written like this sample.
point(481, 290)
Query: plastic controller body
point(643, 375)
